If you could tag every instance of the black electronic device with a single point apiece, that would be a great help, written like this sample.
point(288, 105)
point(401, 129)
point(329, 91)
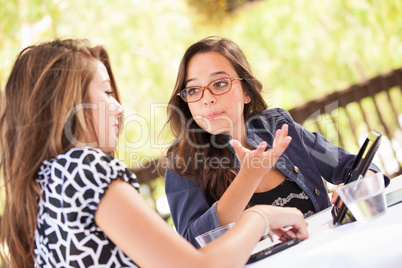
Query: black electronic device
point(340, 212)
point(272, 250)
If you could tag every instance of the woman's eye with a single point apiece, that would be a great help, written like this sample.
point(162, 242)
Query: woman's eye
point(192, 91)
point(110, 93)
point(220, 84)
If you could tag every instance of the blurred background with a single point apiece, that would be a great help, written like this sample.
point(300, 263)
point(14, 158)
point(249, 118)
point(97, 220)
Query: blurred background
point(299, 49)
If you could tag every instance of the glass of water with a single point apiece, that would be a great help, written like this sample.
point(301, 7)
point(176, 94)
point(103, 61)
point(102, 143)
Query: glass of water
point(365, 197)
point(207, 237)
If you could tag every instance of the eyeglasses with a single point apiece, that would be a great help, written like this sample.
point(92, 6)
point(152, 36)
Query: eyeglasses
point(216, 87)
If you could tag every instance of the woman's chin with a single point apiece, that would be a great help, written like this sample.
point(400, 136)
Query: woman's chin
point(219, 132)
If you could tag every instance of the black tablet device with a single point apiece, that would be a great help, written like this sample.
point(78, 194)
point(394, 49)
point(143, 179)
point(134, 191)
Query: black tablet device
point(340, 213)
point(272, 250)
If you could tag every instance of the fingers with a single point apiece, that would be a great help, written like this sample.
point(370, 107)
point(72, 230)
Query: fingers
point(334, 197)
point(235, 143)
point(298, 231)
point(261, 147)
point(335, 194)
point(284, 235)
point(239, 149)
point(280, 135)
point(286, 222)
point(260, 160)
point(297, 225)
point(281, 142)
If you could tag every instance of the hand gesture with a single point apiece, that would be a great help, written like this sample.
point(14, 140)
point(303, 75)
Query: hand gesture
point(258, 161)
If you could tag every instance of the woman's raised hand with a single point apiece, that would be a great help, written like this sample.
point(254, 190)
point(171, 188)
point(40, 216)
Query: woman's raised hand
point(258, 161)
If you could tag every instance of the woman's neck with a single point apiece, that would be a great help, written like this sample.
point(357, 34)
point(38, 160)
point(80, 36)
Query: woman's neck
point(240, 134)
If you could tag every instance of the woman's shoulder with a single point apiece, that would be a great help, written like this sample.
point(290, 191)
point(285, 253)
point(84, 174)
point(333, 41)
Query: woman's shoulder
point(91, 161)
point(72, 159)
point(271, 119)
point(82, 152)
point(277, 112)
point(86, 156)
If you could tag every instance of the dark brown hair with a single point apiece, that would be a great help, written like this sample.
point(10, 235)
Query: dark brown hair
point(191, 139)
point(39, 109)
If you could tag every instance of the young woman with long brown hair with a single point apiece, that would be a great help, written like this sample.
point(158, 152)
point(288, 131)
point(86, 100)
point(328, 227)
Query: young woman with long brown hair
point(216, 112)
point(68, 202)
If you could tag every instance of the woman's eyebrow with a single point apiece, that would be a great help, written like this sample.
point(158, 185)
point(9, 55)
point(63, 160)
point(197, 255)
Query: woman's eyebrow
point(218, 73)
point(211, 75)
point(189, 80)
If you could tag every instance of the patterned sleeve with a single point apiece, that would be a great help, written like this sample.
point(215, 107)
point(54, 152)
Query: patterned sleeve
point(86, 174)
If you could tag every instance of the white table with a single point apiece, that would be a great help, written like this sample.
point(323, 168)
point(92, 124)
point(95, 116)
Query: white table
point(377, 243)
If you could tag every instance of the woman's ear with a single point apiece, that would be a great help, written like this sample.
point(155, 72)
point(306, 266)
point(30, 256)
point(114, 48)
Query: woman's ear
point(247, 98)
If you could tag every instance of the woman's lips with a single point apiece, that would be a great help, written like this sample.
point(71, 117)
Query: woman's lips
point(212, 116)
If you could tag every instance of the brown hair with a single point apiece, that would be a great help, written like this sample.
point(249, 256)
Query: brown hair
point(39, 111)
point(181, 155)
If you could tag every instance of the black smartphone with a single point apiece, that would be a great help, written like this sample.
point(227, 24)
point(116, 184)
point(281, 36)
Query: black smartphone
point(272, 250)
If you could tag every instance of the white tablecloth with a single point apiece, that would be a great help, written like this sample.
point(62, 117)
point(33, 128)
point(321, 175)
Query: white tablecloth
point(377, 243)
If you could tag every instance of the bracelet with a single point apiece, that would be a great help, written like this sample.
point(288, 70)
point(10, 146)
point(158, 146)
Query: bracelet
point(267, 231)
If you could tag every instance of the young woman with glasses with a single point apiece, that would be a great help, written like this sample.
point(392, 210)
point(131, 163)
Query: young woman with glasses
point(226, 155)
point(68, 201)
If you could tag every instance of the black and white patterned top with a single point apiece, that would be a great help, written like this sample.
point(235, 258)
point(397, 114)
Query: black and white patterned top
point(72, 186)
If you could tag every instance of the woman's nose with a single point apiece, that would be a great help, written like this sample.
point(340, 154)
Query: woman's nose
point(119, 110)
point(208, 97)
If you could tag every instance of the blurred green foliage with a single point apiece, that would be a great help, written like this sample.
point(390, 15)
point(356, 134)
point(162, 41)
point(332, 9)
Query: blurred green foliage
point(300, 50)
point(216, 8)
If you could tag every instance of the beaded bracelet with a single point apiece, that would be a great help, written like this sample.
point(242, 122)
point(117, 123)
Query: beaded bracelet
point(267, 231)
